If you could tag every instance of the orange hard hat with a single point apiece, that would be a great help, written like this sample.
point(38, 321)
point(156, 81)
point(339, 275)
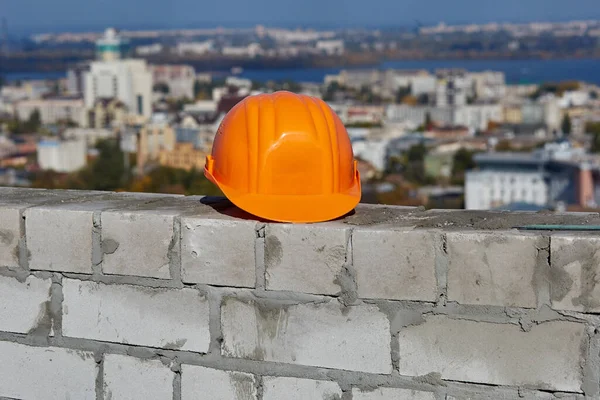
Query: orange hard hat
point(285, 157)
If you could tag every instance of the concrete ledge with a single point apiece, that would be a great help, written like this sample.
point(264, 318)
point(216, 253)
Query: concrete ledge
point(180, 292)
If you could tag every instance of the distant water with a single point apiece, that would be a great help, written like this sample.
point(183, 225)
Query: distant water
point(22, 76)
point(516, 71)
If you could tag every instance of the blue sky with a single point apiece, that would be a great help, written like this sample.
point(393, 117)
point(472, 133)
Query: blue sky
point(61, 15)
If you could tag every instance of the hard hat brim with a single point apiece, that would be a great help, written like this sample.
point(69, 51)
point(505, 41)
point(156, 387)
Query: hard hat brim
point(294, 208)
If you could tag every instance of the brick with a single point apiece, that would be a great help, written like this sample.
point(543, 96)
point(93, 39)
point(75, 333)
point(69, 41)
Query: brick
point(46, 373)
point(547, 357)
point(391, 394)
point(493, 268)
point(23, 305)
point(398, 265)
point(59, 239)
point(131, 378)
point(305, 258)
point(223, 385)
point(10, 233)
point(508, 394)
point(137, 243)
point(228, 261)
point(321, 335)
point(299, 389)
point(574, 270)
point(166, 318)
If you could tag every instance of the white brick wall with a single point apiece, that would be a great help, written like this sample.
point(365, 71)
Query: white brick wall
point(46, 373)
point(23, 305)
point(500, 354)
point(10, 233)
point(322, 335)
point(575, 271)
point(492, 268)
point(59, 239)
point(299, 389)
point(142, 239)
point(171, 318)
point(391, 394)
point(228, 261)
point(134, 379)
point(200, 382)
point(304, 258)
point(395, 264)
point(294, 340)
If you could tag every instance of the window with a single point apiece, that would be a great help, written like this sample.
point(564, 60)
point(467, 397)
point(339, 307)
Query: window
point(140, 105)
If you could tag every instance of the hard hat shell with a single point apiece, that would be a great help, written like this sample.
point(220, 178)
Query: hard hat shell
point(285, 157)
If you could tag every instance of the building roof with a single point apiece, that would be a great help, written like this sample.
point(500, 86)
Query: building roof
point(227, 102)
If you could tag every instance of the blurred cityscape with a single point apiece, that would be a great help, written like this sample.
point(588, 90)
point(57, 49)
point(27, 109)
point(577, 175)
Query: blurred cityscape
point(507, 118)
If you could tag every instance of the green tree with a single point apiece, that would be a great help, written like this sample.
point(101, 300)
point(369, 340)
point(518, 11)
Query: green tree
point(593, 128)
point(331, 90)
point(414, 166)
point(402, 92)
point(34, 122)
point(504, 145)
point(566, 125)
point(462, 162)
point(291, 86)
point(428, 121)
point(197, 88)
point(595, 148)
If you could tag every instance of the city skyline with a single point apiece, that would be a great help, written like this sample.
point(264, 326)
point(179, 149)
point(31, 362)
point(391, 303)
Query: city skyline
point(72, 15)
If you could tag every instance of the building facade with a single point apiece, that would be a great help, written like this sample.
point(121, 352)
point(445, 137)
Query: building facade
point(183, 156)
point(113, 77)
point(54, 110)
point(153, 139)
point(129, 81)
point(544, 178)
point(179, 78)
point(62, 155)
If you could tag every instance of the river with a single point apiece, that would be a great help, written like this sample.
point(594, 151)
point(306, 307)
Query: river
point(516, 71)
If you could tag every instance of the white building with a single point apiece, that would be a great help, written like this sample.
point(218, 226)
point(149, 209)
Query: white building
point(331, 47)
point(574, 98)
point(477, 116)
point(473, 116)
point(373, 151)
point(195, 47)
point(54, 110)
point(490, 189)
point(489, 84)
point(128, 80)
point(252, 50)
point(542, 178)
point(179, 78)
point(419, 81)
point(238, 82)
point(62, 156)
point(201, 107)
point(90, 135)
point(453, 87)
point(149, 49)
